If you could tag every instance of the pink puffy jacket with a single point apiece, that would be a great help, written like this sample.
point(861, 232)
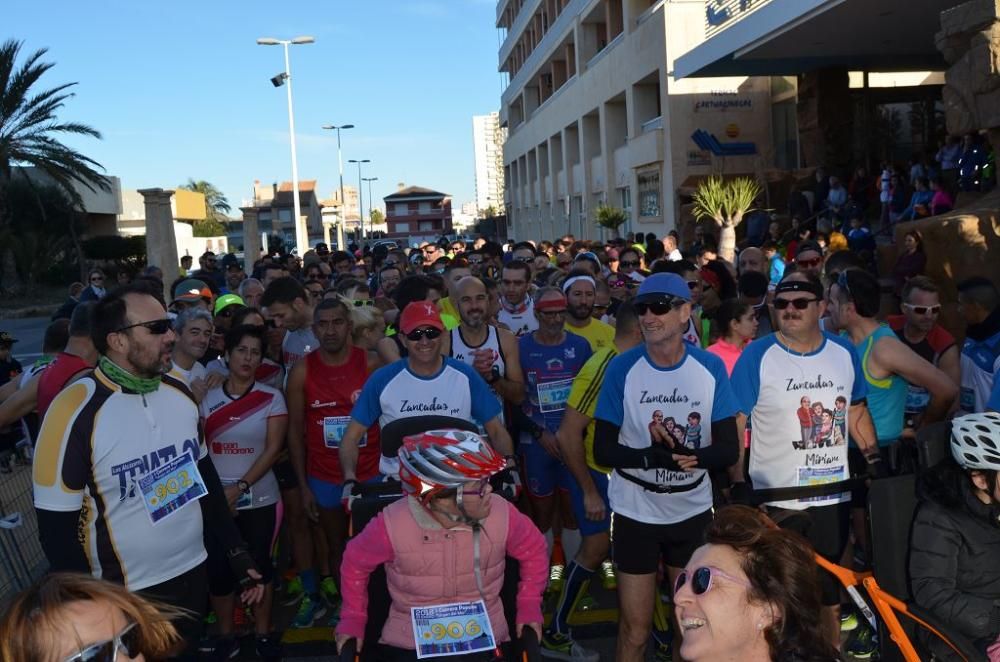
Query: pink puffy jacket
point(427, 564)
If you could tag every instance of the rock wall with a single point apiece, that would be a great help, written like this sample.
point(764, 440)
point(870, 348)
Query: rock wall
point(970, 42)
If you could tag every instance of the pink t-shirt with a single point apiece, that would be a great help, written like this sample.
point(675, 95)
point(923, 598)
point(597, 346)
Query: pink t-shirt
point(727, 352)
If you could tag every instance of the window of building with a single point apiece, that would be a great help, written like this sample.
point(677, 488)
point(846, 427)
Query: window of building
point(402, 227)
point(426, 225)
point(425, 207)
point(401, 209)
point(285, 215)
point(649, 193)
point(625, 198)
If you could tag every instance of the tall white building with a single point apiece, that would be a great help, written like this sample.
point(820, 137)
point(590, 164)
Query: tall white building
point(595, 115)
point(487, 139)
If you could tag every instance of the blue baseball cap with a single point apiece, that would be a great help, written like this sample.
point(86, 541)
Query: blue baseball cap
point(664, 284)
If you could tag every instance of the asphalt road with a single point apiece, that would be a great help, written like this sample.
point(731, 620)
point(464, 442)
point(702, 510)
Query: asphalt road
point(29, 332)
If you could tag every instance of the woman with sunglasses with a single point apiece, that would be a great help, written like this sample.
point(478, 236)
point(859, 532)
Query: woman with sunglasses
point(69, 617)
point(750, 594)
point(445, 544)
point(271, 372)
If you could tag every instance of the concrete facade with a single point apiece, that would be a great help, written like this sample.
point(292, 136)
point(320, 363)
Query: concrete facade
point(595, 116)
point(488, 138)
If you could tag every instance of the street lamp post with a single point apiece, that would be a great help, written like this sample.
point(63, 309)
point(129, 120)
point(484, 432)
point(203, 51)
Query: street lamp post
point(371, 225)
point(301, 232)
point(361, 206)
point(343, 200)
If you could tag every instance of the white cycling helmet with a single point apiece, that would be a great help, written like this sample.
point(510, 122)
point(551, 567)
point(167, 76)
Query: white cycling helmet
point(445, 459)
point(975, 441)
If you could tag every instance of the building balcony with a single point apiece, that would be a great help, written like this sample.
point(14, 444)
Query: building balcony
point(647, 147)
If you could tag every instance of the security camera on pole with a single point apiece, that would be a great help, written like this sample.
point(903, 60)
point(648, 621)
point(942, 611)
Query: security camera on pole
point(301, 231)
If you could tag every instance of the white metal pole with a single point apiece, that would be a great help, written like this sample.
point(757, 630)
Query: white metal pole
point(361, 202)
point(301, 233)
point(343, 200)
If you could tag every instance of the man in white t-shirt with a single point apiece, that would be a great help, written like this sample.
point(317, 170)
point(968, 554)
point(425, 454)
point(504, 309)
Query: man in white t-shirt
point(516, 309)
point(660, 491)
point(193, 328)
point(772, 378)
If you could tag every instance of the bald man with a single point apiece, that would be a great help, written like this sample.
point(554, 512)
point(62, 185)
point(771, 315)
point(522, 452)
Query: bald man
point(491, 351)
point(752, 259)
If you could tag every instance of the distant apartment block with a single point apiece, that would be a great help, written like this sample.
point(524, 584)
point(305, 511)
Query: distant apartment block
point(417, 211)
point(487, 139)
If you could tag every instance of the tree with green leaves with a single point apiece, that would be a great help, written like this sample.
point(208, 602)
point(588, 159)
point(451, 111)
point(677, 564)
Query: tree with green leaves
point(610, 218)
point(726, 201)
point(30, 135)
point(217, 207)
point(376, 217)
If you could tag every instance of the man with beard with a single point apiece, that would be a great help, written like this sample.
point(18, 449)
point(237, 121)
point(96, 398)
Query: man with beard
point(580, 289)
point(770, 379)
point(492, 352)
point(321, 391)
point(516, 311)
point(122, 455)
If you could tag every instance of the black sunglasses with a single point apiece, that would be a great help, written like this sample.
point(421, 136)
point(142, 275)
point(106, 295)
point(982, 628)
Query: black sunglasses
point(418, 334)
point(358, 303)
point(661, 307)
point(701, 579)
point(628, 263)
point(126, 641)
point(799, 304)
point(155, 327)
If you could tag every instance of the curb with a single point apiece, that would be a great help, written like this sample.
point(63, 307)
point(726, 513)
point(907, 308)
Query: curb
point(29, 311)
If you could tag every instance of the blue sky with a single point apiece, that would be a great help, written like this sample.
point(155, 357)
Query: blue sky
point(181, 90)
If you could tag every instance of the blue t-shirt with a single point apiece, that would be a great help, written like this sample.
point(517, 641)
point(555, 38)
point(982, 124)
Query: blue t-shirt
point(548, 376)
point(683, 400)
point(798, 405)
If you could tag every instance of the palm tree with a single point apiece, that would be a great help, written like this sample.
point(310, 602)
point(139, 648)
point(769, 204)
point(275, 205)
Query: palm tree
point(216, 205)
point(726, 202)
point(29, 135)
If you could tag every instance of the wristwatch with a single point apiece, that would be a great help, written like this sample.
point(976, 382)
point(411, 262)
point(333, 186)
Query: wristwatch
point(494, 375)
point(244, 486)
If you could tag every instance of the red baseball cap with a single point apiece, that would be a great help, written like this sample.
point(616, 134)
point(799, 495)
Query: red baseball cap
point(418, 314)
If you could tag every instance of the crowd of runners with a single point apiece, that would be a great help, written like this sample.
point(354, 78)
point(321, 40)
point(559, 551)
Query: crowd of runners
point(632, 413)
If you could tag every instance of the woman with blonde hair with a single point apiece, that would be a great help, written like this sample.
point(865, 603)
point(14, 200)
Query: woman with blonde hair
point(68, 617)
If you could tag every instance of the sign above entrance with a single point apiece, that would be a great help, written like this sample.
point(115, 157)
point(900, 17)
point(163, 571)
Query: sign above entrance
point(720, 14)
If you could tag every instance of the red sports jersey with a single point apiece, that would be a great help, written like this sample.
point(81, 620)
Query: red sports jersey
point(330, 394)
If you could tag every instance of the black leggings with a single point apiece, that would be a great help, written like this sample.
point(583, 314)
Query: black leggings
point(186, 592)
point(257, 527)
point(392, 654)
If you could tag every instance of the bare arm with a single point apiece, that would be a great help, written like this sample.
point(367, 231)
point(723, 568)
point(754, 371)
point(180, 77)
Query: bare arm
point(499, 438)
point(736, 471)
point(950, 363)
point(276, 427)
point(295, 426)
point(893, 357)
point(9, 389)
point(570, 435)
point(510, 386)
point(349, 449)
point(21, 403)
point(862, 428)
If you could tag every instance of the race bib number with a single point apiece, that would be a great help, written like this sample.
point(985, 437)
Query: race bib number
point(819, 476)
point(333, 431)
point(170, 487)
point(454, 629)
point(552, 396)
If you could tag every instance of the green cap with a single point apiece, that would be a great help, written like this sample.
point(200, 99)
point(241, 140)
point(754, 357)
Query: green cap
point(227, 300)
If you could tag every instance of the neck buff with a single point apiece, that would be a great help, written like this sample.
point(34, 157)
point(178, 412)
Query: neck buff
point(125, 379)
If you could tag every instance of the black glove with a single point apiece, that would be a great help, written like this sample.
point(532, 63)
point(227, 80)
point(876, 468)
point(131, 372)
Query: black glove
point(510, 484)
point(349, 494)
point(876, 466)
point(240, 562)
point(740, 494)
point(659, 456)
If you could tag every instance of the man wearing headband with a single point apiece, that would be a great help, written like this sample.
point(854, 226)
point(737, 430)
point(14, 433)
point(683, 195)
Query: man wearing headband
point(771, 377)
point(660, 491)
point(550, 358)
point(581, 290)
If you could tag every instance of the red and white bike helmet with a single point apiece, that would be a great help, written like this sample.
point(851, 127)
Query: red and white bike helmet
point(445, 459)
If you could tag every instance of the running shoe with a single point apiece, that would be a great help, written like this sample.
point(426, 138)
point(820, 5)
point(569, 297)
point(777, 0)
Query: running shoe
point(560, 647)
point(556, 577)
point(310, 609)
point(848, 619)
point(293, 591)
point(269, 648)
point(862, 644)
point(608, 579)
point(328, 591)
